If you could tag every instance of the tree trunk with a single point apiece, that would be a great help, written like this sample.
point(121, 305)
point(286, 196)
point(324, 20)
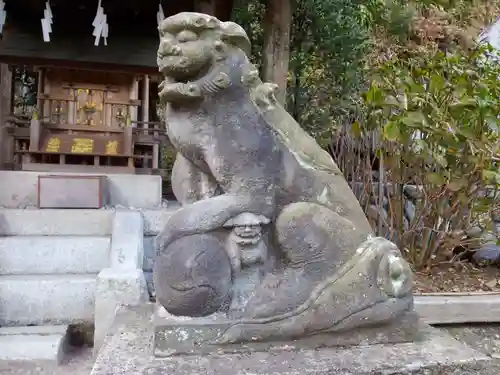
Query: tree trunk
point(6, 150)
point(276, 54)
point(218, 8)
point(205, 6)
point(224, 9)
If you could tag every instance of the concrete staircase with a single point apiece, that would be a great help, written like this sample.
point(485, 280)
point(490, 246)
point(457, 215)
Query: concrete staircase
point(49, 260)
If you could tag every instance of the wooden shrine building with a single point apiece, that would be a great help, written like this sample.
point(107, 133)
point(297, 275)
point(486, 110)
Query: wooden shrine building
point(80, 95)
point(78, 80)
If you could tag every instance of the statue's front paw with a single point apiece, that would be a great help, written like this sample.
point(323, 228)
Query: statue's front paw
point(394, 276)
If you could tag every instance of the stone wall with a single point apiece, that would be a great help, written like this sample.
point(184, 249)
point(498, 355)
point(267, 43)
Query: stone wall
point(19, 189)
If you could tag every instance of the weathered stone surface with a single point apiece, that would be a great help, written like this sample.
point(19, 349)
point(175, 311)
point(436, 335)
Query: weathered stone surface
point(127, 347)
point(72, 191)
point(123, 282)
point(128, 350)
point(114, 288)
point(127, 240)
point(435, 353)
point(200, 337)
point(263, 195)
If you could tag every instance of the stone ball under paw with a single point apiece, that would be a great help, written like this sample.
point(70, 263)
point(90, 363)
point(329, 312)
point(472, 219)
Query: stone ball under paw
point(193, 276)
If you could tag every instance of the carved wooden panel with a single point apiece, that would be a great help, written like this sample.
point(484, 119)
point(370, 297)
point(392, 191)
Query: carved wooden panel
point(59, 111)
point(119, 115)
point(94, 98)
point(89, 106)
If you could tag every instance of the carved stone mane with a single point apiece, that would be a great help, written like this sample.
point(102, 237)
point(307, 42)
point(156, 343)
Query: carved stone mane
point(303, 146)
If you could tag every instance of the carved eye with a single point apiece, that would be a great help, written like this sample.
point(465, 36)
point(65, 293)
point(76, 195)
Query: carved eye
point(199, 22)
point(166, 37)
point(187, 36)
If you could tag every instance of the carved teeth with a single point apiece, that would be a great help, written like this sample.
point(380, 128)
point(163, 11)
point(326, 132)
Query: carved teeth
point(163, 86)
point(166, 81)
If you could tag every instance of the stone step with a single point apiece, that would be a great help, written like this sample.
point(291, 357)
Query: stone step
point(53, 254)
point(78, 222)
point(39, 344)
point(46, 299)
point(57, 222)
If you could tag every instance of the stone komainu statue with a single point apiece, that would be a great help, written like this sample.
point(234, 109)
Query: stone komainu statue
point(245, 167)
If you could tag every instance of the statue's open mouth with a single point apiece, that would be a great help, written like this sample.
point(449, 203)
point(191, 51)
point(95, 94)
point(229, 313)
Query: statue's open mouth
point(175, 67)
point(170, 89)
point(181, 75)
point(181, 68)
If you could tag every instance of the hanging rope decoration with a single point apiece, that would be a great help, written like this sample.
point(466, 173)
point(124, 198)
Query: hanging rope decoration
point(3, 15)
point(47, 22)
point(100, 25)
point(160, 16)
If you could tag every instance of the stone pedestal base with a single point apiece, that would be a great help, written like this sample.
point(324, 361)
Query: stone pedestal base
point(129, 351)
point(181, 336)
point(435, 353)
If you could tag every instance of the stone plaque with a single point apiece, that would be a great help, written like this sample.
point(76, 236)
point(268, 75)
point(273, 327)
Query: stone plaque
point(72, 191)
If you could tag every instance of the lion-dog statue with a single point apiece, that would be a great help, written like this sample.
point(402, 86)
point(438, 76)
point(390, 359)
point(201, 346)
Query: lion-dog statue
point(241, 157)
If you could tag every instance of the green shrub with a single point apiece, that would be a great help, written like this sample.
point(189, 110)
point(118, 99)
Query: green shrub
point(438, 118)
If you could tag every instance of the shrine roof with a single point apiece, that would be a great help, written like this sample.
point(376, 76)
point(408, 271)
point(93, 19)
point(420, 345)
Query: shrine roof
point(132, 39)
